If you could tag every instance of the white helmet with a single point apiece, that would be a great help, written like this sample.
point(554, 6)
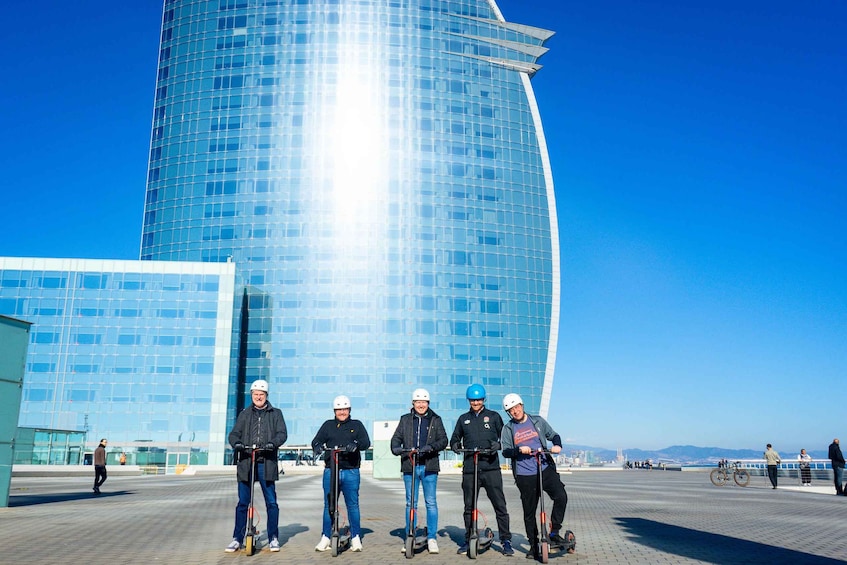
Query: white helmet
point(259, 385)
point(420, 394)
point(511, 400)
point(340, 402)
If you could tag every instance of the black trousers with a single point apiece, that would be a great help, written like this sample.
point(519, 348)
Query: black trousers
point(528, 487)
point(492, 482)
point(772, 474)
point(99, 475)
point(805, 475)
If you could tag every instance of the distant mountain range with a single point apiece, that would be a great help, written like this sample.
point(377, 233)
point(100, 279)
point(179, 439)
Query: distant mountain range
point(684, 454)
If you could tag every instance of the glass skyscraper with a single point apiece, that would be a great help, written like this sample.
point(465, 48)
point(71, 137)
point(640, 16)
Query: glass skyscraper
point(377, 172)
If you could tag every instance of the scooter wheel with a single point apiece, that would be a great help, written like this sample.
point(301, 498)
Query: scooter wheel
point(410, 547)
point(473, 548)
point(545, 551)
point(333, 542)
point(248, 545)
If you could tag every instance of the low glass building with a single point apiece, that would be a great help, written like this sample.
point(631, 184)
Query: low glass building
point(136, 351)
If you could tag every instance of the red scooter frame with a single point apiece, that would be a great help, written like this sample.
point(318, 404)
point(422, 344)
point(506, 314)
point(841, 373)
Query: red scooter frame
point(476, 545)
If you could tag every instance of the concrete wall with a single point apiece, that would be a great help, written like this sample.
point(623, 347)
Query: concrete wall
point(386, 465)
point(14, 338)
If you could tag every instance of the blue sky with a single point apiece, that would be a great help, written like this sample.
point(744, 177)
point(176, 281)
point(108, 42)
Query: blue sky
point(698, 153)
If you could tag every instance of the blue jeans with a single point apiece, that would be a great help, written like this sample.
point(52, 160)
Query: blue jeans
point(269, 492)
point(348, 480)
point(429, 482)
point(838, 474)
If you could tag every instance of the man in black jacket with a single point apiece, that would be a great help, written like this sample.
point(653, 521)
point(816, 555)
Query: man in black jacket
point(480, 428)
point(422, 430)
point(837, 459)
point(260, 427)
point(342, 431)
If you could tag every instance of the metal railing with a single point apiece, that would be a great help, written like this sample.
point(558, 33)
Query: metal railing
point(821, 469)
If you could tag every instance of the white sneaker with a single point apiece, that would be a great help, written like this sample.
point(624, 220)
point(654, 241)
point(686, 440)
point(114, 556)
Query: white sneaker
point(323, 545)
point(432, 545)
point(356, 544)
point(233, 546)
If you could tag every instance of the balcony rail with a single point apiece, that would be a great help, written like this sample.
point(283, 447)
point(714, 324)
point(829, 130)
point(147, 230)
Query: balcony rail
point(821, 469)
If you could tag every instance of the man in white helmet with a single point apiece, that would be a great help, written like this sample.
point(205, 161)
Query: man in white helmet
point(342, 431)
point(421, 429)
point(260, 427)
point(523, 436)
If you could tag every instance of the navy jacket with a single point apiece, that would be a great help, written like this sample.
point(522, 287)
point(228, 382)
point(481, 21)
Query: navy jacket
point(334, 433)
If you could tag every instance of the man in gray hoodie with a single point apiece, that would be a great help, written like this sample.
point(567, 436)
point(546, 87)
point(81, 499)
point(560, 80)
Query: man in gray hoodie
point(522, 437)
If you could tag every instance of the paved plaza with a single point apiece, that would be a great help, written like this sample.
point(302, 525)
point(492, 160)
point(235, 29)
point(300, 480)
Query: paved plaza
point(618, 516)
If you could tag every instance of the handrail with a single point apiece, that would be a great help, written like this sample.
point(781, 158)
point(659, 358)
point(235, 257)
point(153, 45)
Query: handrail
point(821, 464)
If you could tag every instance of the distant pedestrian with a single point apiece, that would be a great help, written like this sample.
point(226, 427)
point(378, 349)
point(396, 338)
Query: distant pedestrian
point(837, 459)
point(805, 470)
point(122, 460)
point(772, 457)
point(100, 465)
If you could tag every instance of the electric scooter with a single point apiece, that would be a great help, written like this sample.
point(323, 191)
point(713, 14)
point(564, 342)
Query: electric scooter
point(543, 532)
point(414, 542)
point(339, 539)
point(251, 537)
point(476, 543)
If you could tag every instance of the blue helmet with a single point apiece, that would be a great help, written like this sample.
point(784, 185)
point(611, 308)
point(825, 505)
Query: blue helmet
point(476, 392)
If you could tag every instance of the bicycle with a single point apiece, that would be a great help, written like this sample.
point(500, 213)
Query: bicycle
point(720, 476)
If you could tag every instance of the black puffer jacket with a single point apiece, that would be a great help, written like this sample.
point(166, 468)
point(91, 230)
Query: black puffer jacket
point(408, 436)
point(259, 427)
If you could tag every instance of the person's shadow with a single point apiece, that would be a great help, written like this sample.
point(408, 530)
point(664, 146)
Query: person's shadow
point(33, 499)
point(289, 531)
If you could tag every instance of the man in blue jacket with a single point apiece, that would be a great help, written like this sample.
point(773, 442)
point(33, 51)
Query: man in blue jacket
point(260, 427)
point(523, 436)
point(421, 430)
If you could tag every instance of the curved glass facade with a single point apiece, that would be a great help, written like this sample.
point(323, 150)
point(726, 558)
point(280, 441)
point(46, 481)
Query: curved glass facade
point(377, 172)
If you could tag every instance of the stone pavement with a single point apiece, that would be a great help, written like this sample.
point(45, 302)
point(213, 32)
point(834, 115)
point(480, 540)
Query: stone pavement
point(618, 517)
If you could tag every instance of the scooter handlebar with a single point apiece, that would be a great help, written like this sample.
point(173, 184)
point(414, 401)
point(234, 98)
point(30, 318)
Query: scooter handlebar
point(476, 450)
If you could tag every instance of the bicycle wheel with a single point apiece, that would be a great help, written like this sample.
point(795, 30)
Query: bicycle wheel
point(742, 477)
point(718, 477)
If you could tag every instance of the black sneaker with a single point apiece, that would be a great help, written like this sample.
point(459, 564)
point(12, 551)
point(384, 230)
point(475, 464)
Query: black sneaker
point(507, 548)
point(464, 549)
point(557, 540)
